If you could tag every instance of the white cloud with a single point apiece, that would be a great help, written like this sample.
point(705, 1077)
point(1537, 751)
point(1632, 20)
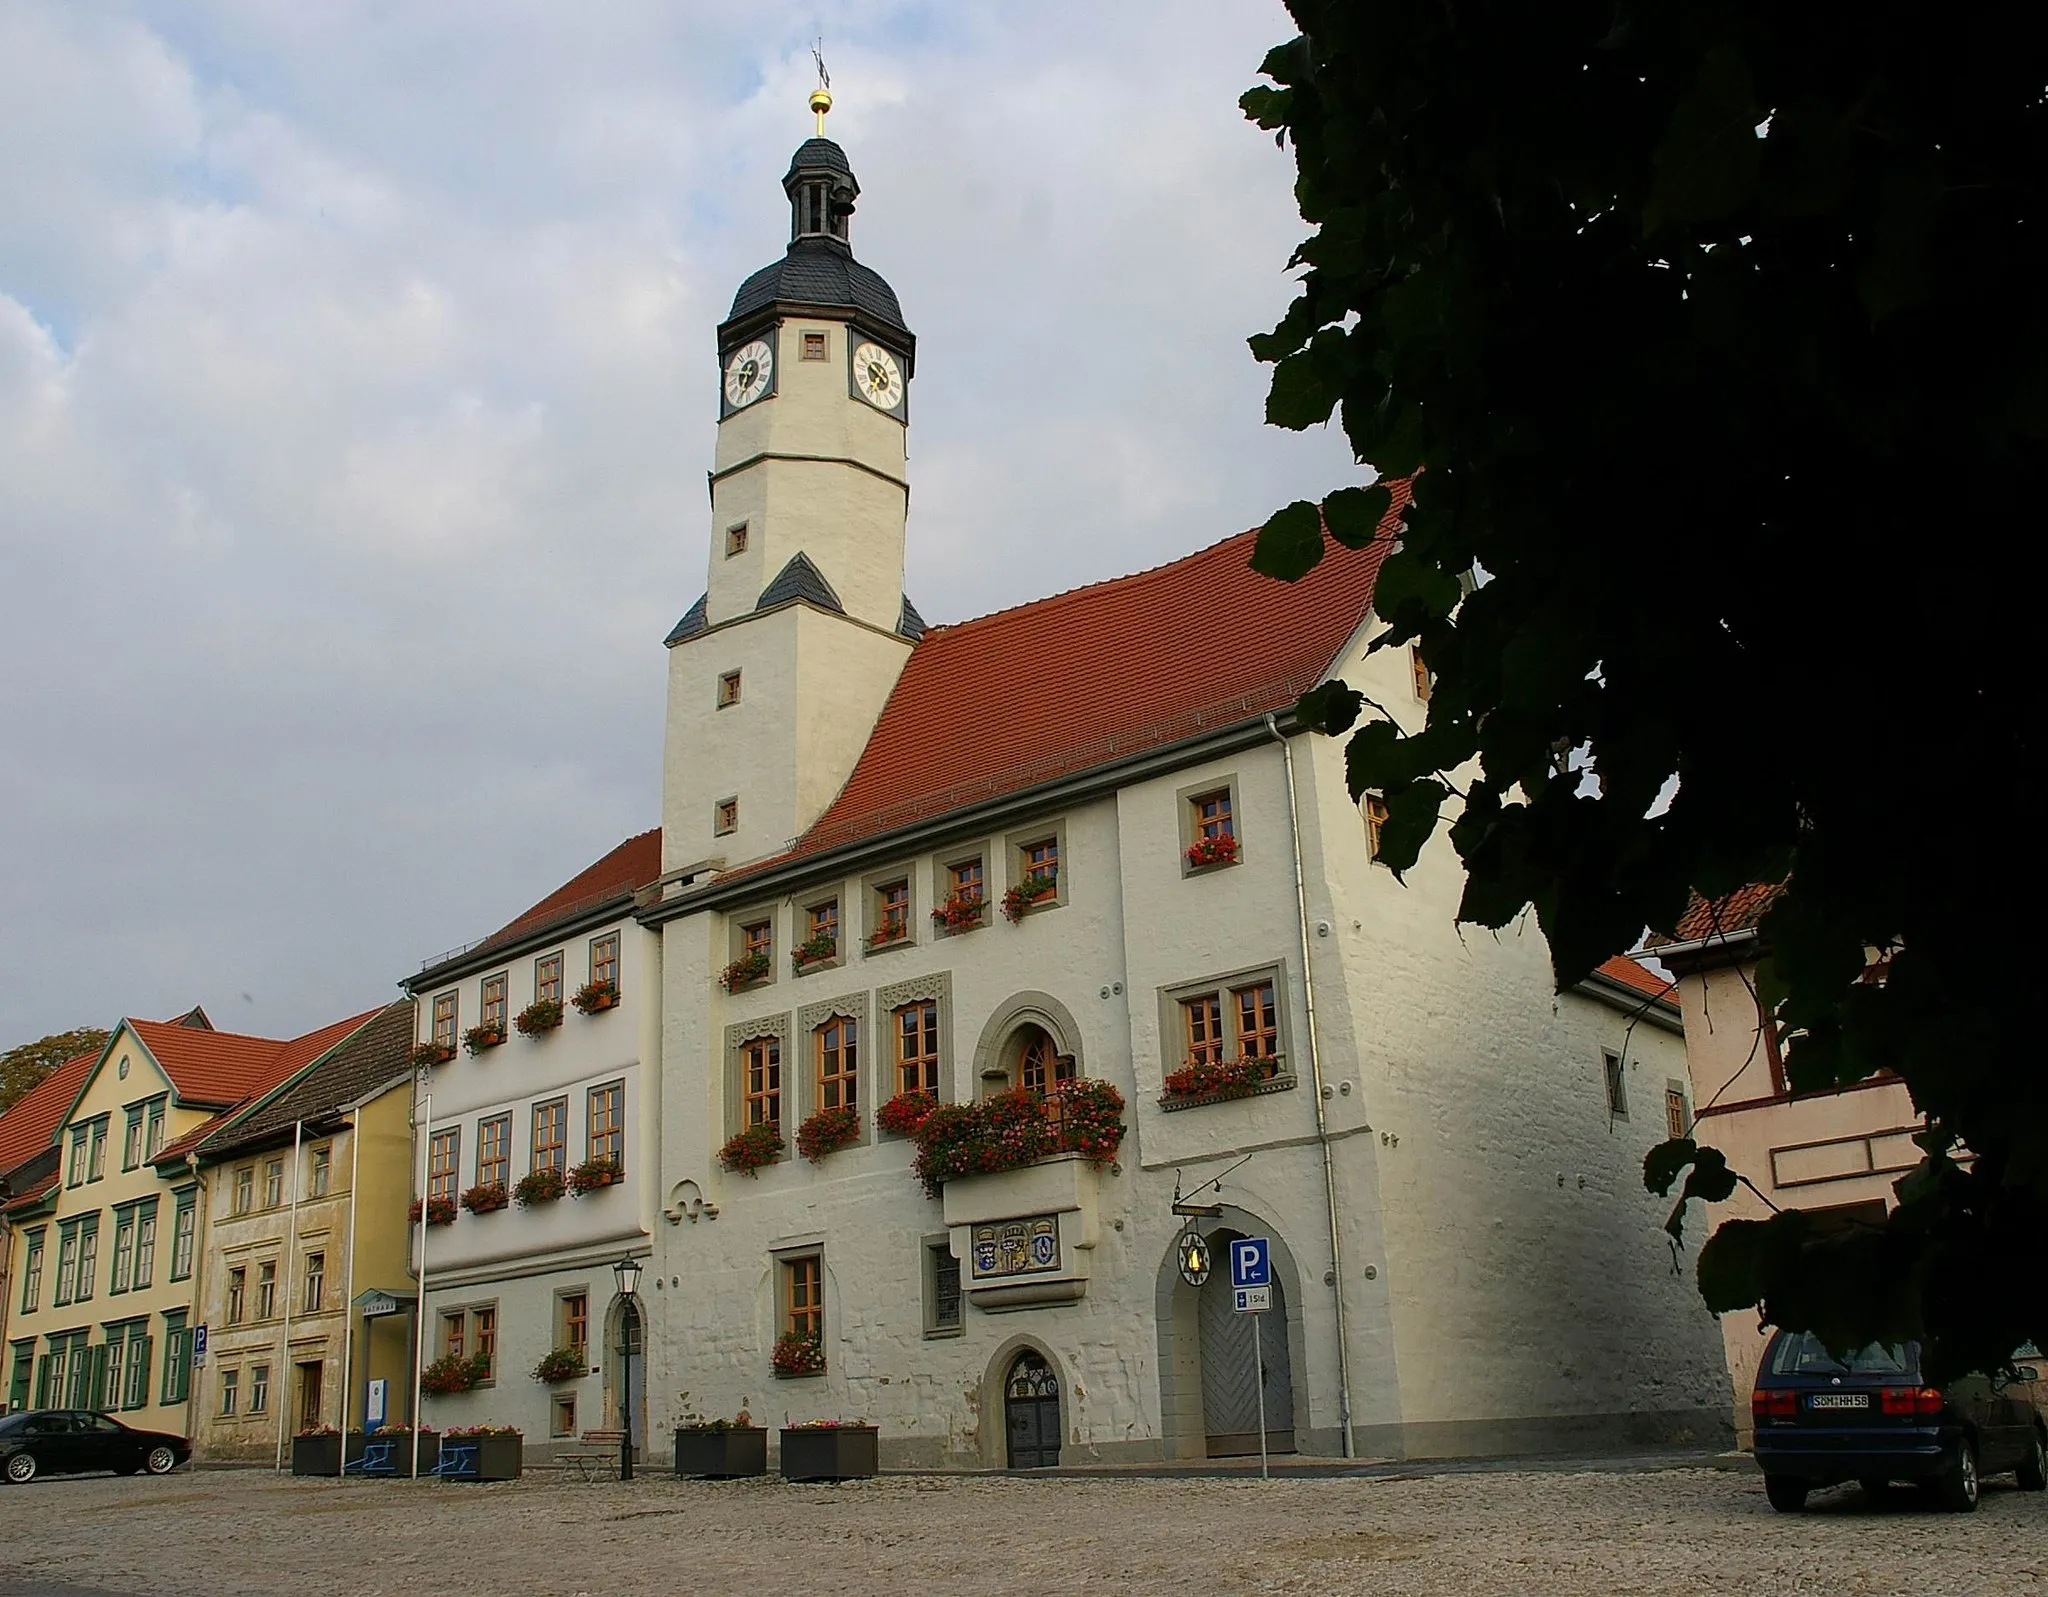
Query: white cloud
point(356, 391)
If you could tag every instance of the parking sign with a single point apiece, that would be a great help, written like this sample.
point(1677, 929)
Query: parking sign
point(1249, 1264)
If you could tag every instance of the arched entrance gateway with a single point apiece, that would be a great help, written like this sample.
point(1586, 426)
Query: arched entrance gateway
point(625, 1358)
point(1210, 1381)
point(1031, 1413)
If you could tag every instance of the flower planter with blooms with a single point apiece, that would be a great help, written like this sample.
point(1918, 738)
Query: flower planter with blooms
point(595, 997)
point(887, 935)
point(960, 913)
point(561, 1364)
point(452, 1373)
point(1234, 1078)
point(486, 1197)
point(826, 1132)
point(1017, 1128)
point(904, 1113)
point(1033, 889)
point(478, 1038)
point(430, 1053)
point(1221, 849)
point(744, 972)
point(796, 1355)
point(750, 1149)
point(541, 1016)
point(539, 1186)
point(594, 1175)
point(439, 1211)
point(813, 951)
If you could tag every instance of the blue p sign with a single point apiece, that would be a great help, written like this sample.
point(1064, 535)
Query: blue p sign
point(1249, 1265)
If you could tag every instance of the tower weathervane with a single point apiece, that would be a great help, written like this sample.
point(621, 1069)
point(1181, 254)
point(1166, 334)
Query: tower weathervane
point(821, 96)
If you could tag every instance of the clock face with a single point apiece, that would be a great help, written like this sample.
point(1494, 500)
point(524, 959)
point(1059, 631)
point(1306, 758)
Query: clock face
point(747, 372)
point(877, 377)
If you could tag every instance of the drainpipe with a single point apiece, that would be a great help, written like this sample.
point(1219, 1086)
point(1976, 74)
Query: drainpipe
point(1315, 1066)
point(348, 1291)
point(281, 1390)
point(202, 1223)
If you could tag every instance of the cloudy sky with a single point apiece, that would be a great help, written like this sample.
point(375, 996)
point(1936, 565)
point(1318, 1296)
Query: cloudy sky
point(357, 388)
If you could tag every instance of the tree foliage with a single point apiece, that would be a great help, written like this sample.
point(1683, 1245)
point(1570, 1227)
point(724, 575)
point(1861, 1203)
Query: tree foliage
point(1718, 333)
point(23, 1068)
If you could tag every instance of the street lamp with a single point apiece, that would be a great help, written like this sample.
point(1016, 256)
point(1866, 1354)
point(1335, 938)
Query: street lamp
point(628, 1273)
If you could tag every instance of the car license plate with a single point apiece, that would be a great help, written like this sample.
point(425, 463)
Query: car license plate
point(1839, 1400)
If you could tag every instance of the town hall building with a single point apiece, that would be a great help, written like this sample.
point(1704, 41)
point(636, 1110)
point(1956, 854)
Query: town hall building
point(1071, 879)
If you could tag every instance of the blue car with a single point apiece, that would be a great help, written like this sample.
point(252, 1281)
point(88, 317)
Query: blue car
point(1872, 1418)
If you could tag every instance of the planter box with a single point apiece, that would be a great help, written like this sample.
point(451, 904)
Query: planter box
point(429, 1443)
point(321, 1455)
point(495, 1458)
point(722, 1454)
point(830, 1453)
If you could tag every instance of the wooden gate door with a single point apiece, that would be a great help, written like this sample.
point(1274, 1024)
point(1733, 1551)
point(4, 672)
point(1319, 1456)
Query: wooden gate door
point(1230, 1400)
point(1031, 1413)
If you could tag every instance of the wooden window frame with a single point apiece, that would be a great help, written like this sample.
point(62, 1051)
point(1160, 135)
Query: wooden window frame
point(1224, 989)
point(556, 1109)
point(572, 1328)
point(273, 1183)
point(447, 1017)
point(1017, 849)
point(548, 977)
point(494, 1005)
point(728, 689)
point(1372, 809)
point(821, 918)
point(120, 1273)
point(1266, 1034)
point(757, 1102)
point(259, 1390)
point(801, 1275)
point(725, 816)
point(1202, 1036)
point(484, 1333)
point(230, 1393)
point(562, 1416)
point(242, 1197)
point(924, 1061)
point(835, 1063)
point(735, 539)
point(444, 1175)
point(1419, 679)
point(96, 1154)
point(266, 1289)
point(236, 1301)
point(604, 960)
point(609, 1100)
point(320, 1179)
point(313, 1294)
point(892, 906)
point(1677, 1110)
point(494, 1166)
point(814, 338)
point(454, 1337)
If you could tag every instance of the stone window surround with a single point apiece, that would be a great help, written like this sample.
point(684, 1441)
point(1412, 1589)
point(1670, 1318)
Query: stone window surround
point(735, 539)
point(991, 1070)
point(802, 924)
point(559, 1320)
point(737, 1036)
point(1184, 807)
point(929, 1246)
point(736, 924)
point(729, 805)
point(1172, 1031)
point(802, 1094)
point(1614, 1083)
point(934, 987)
point(1013, 860)
point(728, 694)
point(782, 1253)
point(444, 1311)
point(871, 886)
point(979, 848)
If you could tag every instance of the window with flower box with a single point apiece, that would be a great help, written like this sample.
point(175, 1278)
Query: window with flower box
point(604, 961)
point(1037, 870)
point(1230, 1037)
point(446, 1009)
point(547, 979)
point(455, 1333)
point(605, 1126)
point(1040, 1064)
point(551, 1134)
point(917, 1046)
point(494, 1151)
point(891, 912)
point(963, 896)
point(761, 1082)
point(819, 947)
point(494, 1003)
point(443, 1159)
point(572, 1320)
point(803, 1296)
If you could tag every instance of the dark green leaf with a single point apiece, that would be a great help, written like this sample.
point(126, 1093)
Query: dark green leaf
point(1709, 158)
point(1290, 543)
point(1354, 514)
point(1329, 707)
point(1297, 398)
point(1662, 1163)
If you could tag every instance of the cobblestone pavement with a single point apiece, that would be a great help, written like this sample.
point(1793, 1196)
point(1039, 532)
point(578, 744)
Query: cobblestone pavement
point(1470, 1535)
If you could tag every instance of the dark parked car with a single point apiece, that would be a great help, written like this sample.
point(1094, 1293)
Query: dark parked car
point(1871, 1418)
point(63, 1441)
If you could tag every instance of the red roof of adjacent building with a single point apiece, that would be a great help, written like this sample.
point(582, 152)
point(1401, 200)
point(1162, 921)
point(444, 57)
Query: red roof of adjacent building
point(1738, 912)
point(1061, 685)
point(634, 864)
point(33, 1118)
point(1630, 973)
point(221, 1067)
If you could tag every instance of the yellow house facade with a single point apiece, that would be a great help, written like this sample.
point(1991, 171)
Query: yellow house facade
point(302, 1198)
point(105, 1256)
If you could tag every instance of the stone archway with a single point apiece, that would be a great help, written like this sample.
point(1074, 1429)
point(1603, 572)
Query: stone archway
point(993, 1404)
point(1205, 1351)
point(1031, 1413)
point(1031, 1028)
point(623, 1361)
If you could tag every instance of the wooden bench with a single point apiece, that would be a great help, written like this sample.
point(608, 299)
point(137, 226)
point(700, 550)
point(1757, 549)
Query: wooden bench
point(596, 1457)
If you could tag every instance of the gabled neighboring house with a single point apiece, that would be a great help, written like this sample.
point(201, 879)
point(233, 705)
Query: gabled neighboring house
point(303, 1192)
point(1837, 1152)
point(28, 1166)
point(537, 1127)
point(106, 1251)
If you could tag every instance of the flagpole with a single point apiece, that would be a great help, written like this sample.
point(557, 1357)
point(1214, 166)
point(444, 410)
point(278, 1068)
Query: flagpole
point(348, 1303)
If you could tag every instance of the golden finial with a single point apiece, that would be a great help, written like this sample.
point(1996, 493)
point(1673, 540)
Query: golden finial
point(821, 96)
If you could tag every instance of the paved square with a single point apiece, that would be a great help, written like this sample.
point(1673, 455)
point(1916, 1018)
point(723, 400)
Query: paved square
point(1460, 1535)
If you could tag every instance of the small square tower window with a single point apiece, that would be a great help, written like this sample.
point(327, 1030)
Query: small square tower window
point(728, 689)
point(725, 817)
point(736, 539)
point(814, 346)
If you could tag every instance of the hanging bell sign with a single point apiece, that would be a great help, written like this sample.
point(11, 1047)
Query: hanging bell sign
point(1193, 1256)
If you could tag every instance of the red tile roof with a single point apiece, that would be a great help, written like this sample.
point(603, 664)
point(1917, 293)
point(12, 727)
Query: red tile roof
point(1739, 911)
point(28, 1200)
point(1089, 676)
point(33, 1118)
point(634, 864)
point(222, 1067)
point(1630, 973)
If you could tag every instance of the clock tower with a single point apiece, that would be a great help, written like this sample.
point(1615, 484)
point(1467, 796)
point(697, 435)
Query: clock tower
point(777, 674)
